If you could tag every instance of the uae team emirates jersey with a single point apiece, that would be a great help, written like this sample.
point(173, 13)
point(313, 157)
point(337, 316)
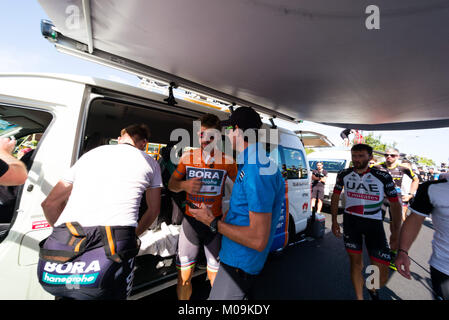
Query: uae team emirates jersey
point(213, 173)
point(364, 193)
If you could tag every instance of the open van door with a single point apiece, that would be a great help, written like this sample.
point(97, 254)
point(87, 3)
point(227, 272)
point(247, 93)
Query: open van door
point(61, 118)
point(311, 139)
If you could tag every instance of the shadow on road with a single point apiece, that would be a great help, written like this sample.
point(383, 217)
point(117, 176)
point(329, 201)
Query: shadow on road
point(425, 282)
point(386, 294)
point(318, 269)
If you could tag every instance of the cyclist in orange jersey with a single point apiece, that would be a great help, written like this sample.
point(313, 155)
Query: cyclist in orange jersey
point(201, 173)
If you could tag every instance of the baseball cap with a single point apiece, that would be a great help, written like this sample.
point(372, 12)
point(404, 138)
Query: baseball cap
point(245, 118)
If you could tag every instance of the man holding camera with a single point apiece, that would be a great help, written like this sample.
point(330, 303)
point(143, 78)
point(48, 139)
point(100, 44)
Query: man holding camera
point(319, 177)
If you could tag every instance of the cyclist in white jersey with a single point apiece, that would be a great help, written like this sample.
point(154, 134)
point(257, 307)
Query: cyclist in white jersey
point(431, 198)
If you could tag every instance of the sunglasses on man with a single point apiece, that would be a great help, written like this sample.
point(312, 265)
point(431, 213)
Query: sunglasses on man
point(391, 155)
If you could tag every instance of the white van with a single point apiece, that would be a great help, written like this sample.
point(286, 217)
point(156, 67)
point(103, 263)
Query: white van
point(334, 160)
point(65, 116)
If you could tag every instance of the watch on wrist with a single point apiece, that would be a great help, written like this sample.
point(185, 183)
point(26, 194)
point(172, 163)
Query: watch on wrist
point(214, 225)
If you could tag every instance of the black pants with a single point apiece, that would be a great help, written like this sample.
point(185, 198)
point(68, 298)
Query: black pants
point(232, 284)
point(440, 283)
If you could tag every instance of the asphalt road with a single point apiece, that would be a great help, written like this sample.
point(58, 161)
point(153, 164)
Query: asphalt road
point(319, 270)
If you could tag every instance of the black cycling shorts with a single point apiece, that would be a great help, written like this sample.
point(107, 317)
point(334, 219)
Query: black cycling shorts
point(193, 235)
point(356, 228)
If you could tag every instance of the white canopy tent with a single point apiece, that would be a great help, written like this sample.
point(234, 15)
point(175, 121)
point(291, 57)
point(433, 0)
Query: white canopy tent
point(294, 59)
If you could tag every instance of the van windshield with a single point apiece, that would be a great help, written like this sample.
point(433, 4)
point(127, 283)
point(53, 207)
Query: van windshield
point(330, 165)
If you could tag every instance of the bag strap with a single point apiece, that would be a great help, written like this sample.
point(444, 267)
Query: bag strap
point(78, 236)
point(59, 256)
point(77, 241)
point(110, 246)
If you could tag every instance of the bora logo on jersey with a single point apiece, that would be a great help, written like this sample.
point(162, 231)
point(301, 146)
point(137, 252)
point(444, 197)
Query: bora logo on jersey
point(211, 179)
point(71, 273)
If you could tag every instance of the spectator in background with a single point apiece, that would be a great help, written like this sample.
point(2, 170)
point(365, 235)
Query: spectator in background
point(345, 136)
point(12, 171)
point(431, 175)
point(319, 177)
point(436, 175)
point(421, 175)
point(177, 198)
point(406, 181)
point(284, 171)
point(443, 175)
point(398, 171)
point(358, 137)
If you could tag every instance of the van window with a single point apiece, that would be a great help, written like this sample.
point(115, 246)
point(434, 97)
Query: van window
point(152, 148)
point(27, 126)
point(334, 165)
point(106, 118)
point(293, 164)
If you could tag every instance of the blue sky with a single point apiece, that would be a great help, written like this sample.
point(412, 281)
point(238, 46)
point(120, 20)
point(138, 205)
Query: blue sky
point(23, 49)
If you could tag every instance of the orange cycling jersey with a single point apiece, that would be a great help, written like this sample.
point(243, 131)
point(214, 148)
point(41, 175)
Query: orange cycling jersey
point(212, 171)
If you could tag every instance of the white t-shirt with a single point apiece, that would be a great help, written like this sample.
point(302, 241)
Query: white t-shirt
point(108, 184)
point(432, 197)
point(406, 184)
